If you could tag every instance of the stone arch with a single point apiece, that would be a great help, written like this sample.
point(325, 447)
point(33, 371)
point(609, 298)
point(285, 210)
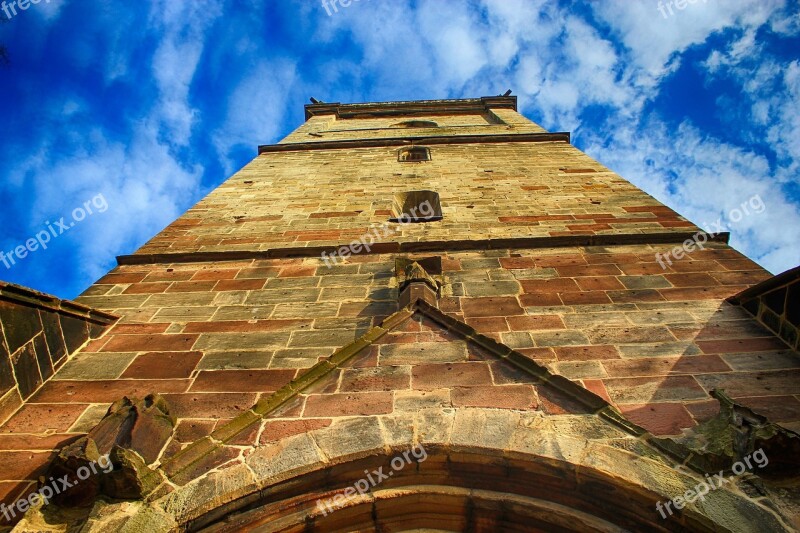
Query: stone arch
point(483, 467)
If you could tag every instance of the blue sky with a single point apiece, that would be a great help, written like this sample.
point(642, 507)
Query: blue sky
point(142, 108)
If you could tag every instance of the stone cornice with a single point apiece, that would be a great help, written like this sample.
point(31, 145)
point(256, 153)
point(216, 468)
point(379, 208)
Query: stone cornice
point(562, 136)
point(671, 237)
point(375, 109)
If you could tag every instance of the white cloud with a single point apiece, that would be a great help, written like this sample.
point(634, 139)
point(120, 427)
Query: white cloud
point(654, 42)
point(706, 180)
point(256, 108)
point(183, 26)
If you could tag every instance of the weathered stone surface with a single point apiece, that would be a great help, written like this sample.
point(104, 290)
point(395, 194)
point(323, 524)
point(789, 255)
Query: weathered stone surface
point(140, 425)
point(540, 248)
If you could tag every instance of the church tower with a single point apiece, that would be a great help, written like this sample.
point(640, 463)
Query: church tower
point(428, 315)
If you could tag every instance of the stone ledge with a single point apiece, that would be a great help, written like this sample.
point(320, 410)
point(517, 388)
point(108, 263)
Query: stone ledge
point(518, 243)
point(29, 297)
point(408, 140)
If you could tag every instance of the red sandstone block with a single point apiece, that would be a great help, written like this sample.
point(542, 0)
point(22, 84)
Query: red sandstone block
point(664, 366)
point(122, 277)
point(589, 270)
point(94, 346)
point(11, 491)
point(549, 285)
point(209, 405)
point(750, 277)
point(493, 306)
point(103, 391)
point(586, 353)
point(701, 293)
point(147, 288)
point(19, 465)
point(535, 322)
point(190, 430)
point(616, 258)
point(26, 441)
point(438, 376)
point(495, 396)
point(449, 264)
point(776, 408)
point(643, 269)
point(348, 404)
point(163, 365)
point(600, 283)
point(138, 329)
point(517, 262)
point(557, 260)
point(42, 418)
point(488, 324)
point(741, 345)
point(596, 386)
point(239, 285)
point(297, 271)
point(540, 299)
point(540, 355)
point(147, 343)
point(659, 418)
point(738, 264)
point(275, 430)
point(584, 297)
point(241, 380)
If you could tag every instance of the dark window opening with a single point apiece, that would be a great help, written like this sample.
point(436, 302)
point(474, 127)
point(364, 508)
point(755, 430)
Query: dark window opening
point(416, 124)
point(414, 153)
point(416, 206)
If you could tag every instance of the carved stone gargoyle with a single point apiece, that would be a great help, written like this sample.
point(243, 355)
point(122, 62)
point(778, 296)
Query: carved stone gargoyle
point(736, 432)
point(129, 437)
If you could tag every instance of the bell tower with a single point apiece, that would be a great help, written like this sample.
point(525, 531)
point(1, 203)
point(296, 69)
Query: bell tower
point(427, 315)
